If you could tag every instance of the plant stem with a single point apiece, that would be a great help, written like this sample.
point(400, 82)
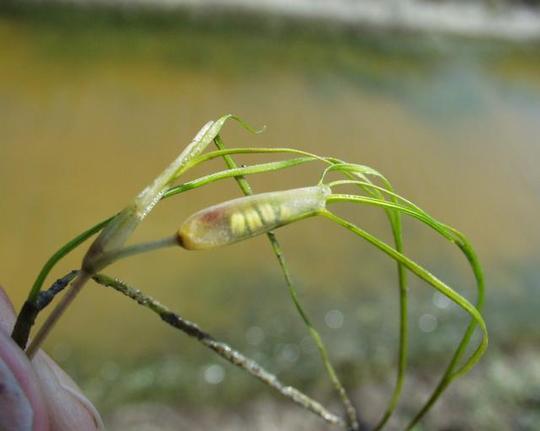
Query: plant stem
point(31, 309)
point(222, 349)
point(46, 296)
point(66, 300)
point(349, 408)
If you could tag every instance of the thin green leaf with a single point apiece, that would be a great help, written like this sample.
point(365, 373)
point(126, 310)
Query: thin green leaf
point(457, 238)
point(394, 217)
point(430, 279)
point(236, 172)
point(60, 253)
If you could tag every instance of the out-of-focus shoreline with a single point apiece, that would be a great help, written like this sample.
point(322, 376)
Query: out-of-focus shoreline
point(499, 20)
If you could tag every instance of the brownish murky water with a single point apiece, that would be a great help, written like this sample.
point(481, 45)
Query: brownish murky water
point(89, 116)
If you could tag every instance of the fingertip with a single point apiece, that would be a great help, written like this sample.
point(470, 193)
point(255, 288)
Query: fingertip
point(68, 408)
point(22, 407)
point(7, 312)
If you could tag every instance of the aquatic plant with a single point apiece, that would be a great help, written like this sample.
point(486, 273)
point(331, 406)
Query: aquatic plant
point(249, 216)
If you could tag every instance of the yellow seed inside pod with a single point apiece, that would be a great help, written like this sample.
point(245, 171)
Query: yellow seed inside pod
point(238, 224)
point(267, 213)
point(253, 219)
point(283, 212)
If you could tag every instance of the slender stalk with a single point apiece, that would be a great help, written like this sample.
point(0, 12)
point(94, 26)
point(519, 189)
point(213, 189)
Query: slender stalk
point(276, 247)
point(222, 349)
point(349, 408)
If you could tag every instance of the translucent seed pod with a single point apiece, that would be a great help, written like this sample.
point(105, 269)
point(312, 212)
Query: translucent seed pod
point(246, 217)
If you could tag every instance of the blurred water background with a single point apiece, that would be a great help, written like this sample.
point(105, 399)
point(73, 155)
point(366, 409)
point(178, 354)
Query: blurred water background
point(94, 101)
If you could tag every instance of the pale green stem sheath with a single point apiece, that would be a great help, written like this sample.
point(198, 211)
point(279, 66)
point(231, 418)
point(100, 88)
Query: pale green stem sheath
point(114, 255)
point(115, 234)
point(276, 247)
point(222, 349)
point(442, 288)
point(117, 231)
